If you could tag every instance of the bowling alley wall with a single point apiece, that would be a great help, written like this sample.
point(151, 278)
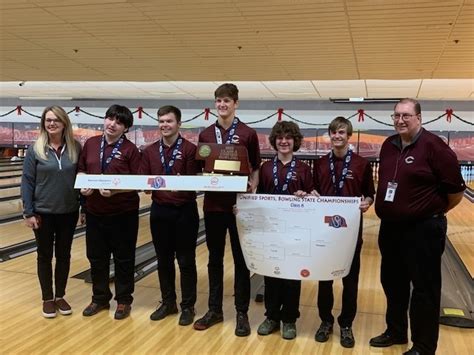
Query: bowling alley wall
point(453, 121)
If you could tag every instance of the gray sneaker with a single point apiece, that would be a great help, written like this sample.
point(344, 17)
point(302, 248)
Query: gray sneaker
point(289, 331)
point(268, 326)
point(347, 338)
point(322, 334)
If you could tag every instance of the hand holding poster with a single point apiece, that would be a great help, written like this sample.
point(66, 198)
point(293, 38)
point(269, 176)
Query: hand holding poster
point(284, 236)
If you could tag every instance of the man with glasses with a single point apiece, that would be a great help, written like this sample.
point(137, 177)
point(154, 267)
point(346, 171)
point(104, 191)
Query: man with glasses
point(419, 181)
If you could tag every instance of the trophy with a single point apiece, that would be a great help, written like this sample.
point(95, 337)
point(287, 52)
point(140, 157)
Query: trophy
point(224, 158)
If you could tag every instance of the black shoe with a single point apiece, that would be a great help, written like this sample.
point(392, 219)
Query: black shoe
point(412, 351)
point(322, 334)
point(163, 311)
point(62, 306)
point(49, 309)
point(94, 308)
point(209, 319)
point(347, 338)
point(122, 311)
point(242, 328)
point(386, 339)
point(187, 316)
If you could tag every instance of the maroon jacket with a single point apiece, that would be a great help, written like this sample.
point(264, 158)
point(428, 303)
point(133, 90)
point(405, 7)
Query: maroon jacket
point(427, 172)
point(126, 161)
point(185, 164)
point(301, 178)
point(359, 179)
point(244, 135)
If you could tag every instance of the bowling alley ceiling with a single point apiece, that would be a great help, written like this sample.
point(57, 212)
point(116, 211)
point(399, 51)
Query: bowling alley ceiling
point(288, 49)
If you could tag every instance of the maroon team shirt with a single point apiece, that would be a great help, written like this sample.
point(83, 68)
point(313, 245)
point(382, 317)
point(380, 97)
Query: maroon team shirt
point(427, 171)
point(185, 164)
point(301, 178)
point(359, 179)
point(244, 135)
point(126, 161)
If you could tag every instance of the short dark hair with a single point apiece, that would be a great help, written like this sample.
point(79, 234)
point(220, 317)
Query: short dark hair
point(164, 110)
point(339, 122)
point(415, 103)
point(286, 128)
point(227, 90)
point(122, 114)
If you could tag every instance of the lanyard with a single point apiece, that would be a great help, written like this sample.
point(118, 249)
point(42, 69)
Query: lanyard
point(231, 132)
point(283, 189)
point(60, 155)
point(173, 156)
point(105, 163)
point(345, 167)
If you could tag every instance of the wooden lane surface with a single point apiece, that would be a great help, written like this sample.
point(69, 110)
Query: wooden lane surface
point(461, 232)
point(12, 169)
point(24, 330)
point(10, 173)
point(27, 263)
point(11, 207)
point(13, 165)
point(16, 232)
point(10, 191)
point(10, 181)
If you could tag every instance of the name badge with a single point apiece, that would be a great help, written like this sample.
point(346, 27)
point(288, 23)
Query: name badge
point(391, 189)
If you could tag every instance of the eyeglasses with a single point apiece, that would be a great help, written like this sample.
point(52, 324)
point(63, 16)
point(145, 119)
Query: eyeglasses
point(52, 120)
point(403, 116)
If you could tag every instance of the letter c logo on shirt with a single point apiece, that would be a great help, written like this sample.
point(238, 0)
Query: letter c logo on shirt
point(410, 159)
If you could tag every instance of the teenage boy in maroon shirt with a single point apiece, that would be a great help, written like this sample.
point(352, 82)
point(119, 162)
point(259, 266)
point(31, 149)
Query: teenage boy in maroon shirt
point(112, 215)
point(419, 181)
point(342, 173)
point(174, 218)
point(282, 175)
point(219, 217)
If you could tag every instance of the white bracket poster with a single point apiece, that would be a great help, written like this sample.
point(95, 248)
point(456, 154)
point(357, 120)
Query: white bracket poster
point(311, 238)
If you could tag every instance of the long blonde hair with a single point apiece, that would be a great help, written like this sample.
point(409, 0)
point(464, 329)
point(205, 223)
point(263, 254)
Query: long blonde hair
point(41, 145)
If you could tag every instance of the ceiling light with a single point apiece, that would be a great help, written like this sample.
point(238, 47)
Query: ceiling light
point(45, 98)
point(354, 100)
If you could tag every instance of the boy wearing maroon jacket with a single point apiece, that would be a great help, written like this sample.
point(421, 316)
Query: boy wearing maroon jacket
point(284, 174)
point(219, 216)
point(174, 218)
point(112, 215)
point(342, 173)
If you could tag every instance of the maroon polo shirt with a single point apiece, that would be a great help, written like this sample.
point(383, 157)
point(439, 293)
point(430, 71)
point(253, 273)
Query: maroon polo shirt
point(359, 179)
point(126, 161)
point(185, 164)
point(244, 135)
point(426, 171)
point(301, 178)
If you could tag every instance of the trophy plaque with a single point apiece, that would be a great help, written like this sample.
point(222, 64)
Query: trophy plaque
point(224, 158)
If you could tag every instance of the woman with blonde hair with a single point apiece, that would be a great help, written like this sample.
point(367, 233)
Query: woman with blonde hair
point(51, 205)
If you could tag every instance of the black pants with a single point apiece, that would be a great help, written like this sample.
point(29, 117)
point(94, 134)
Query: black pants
point(174, 230)
point(116, 235)
point(282, 299)
point(411, 253)
point(55, 233)
point(217, 224)
point(350, 285)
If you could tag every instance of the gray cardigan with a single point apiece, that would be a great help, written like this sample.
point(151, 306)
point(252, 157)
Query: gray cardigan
point(47, 186)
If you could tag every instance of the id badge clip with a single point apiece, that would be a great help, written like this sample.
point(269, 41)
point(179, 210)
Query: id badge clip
point(391, 189)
